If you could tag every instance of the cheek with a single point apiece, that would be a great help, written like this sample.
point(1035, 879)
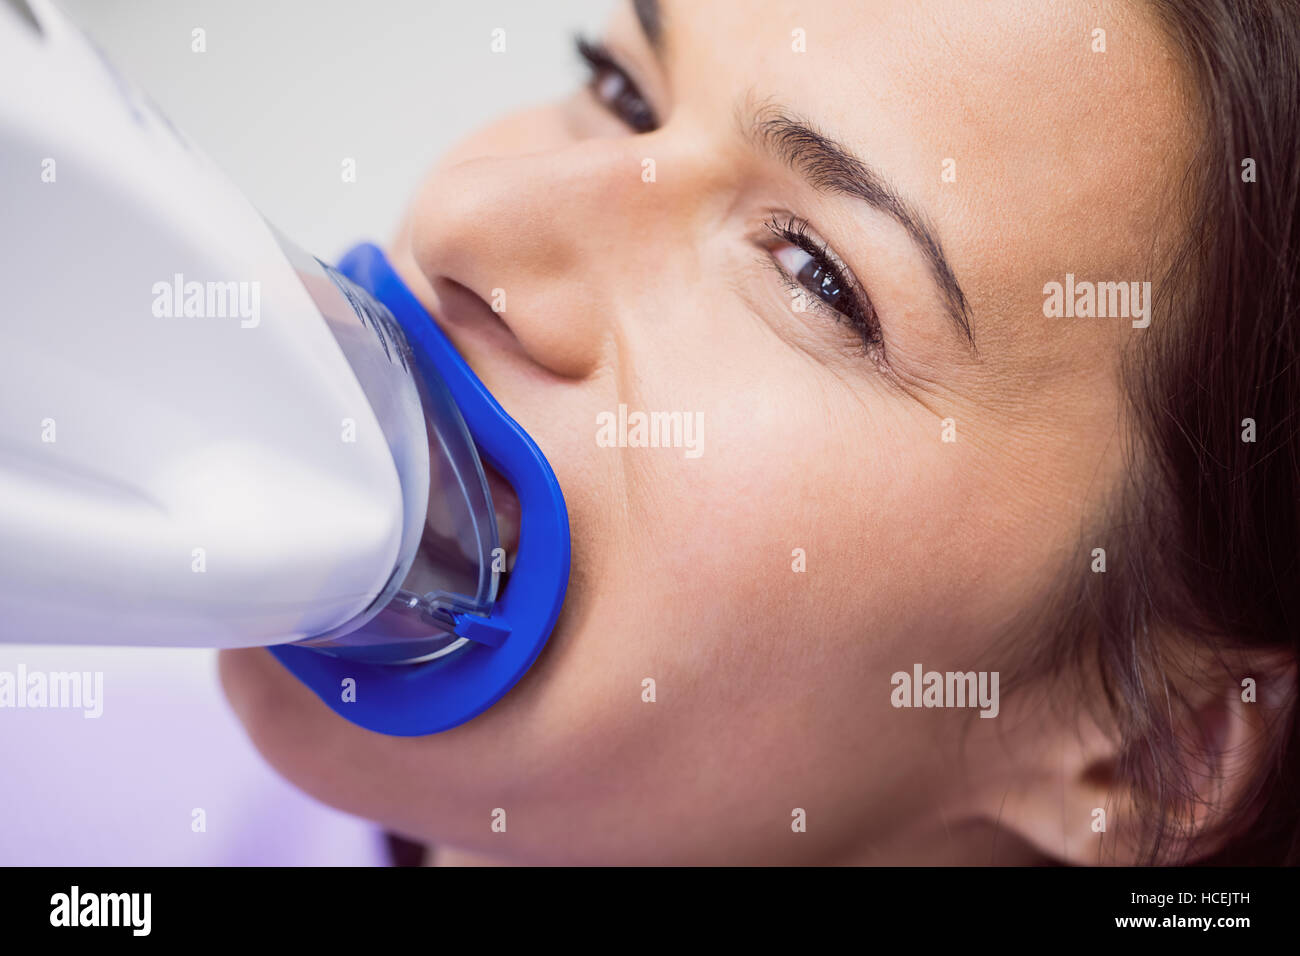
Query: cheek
point(734, 571)
point(821, 538)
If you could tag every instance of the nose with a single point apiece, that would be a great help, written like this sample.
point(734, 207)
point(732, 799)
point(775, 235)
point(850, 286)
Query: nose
point(553, 240)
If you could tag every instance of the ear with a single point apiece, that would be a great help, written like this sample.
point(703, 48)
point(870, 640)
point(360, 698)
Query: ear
point(1078, 801)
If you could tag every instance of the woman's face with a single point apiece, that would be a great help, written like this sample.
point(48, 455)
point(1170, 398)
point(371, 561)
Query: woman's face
point(820, 234)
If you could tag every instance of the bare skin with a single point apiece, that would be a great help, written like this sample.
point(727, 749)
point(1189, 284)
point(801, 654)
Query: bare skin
point(773, 686)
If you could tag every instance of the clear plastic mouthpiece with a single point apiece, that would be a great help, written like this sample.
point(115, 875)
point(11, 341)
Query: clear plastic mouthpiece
point(450, 552)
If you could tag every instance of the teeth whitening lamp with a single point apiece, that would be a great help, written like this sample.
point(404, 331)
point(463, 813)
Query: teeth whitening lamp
point(210, 439)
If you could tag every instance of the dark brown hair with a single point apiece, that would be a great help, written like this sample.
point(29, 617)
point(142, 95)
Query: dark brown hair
point(1204, 542)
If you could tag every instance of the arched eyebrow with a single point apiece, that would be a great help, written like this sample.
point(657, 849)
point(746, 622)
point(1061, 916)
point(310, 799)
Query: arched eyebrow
point(831, 168)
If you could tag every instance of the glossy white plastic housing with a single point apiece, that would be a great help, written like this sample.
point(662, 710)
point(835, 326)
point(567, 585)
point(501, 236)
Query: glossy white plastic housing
point(171, 478)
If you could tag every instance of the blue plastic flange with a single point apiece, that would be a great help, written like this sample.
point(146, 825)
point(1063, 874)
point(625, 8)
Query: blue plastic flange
point(411, 700)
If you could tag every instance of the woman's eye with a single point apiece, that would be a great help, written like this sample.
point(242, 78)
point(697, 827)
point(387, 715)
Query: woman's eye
point(816, 277)
point(812, 270)
point(612, 85)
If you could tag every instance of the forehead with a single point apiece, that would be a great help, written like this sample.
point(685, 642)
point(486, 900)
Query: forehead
point(1064, 142)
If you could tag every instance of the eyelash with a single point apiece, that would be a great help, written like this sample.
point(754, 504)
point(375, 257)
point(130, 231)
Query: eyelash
point(600, 62)
point(860, 317)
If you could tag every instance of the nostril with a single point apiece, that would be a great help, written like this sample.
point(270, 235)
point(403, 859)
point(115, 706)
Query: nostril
point(460, 305)
point(543, 337)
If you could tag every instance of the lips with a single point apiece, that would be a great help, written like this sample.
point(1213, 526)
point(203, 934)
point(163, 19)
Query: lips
point(505, 503)
point(458, 311)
